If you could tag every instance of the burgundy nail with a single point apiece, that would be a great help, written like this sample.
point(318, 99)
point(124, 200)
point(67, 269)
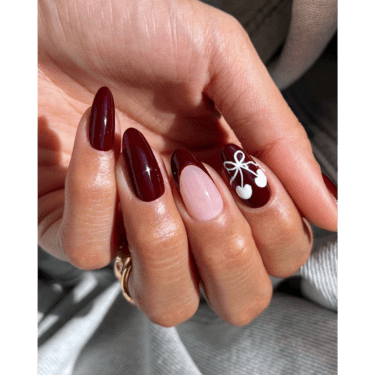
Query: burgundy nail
point(143, 169)
point(102, 120)
point(245, 176)
point(181, 159)
point(332, 188)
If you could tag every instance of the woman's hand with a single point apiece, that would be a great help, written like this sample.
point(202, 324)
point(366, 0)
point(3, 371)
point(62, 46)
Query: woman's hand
point(174, 67)
point(229, 237)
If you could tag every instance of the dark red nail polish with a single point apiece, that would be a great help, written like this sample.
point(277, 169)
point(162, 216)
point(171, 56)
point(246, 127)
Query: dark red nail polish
point(245, 176)
point(102, 120)
point(143, 169)
point(181, 159)
point(332, 188)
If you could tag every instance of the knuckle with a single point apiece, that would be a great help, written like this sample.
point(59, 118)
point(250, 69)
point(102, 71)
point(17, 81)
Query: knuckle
point(293, 253)
point(167, 315)
point(85, 260)
point(296, 139)
point(231, 29)
point(288, 232)
point(252, 309)
point(229, 255)
point(300, 137)
point(233, 24)
point(167, 237)
point(86, 256)
point(290, 267)
point(92, 188)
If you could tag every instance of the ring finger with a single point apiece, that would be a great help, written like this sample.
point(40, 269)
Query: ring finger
point(283, 237)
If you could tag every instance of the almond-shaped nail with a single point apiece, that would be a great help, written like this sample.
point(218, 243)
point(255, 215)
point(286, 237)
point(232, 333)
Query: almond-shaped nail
point(143, 169)
point(102, 120)
point(199, 193)
point(332, 188)
point(245, 176)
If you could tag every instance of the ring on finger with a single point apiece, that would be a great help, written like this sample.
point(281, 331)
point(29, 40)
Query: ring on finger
point(122, 269)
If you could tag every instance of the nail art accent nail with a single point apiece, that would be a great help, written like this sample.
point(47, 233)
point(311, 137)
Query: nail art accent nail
point(143, 169)
point(102, 120)
point(332, 188)
point(245, 176)
point(199, 193)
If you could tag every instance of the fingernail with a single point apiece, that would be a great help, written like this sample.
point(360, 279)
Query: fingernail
point(245, 176)
point(144, 172)
point(102, 120)
point(332, 188)
point(201, 197)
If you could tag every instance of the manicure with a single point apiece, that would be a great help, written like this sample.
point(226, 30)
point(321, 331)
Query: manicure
point(245, 176)
point(102, 120)
point(143, 170)
point(199, 193)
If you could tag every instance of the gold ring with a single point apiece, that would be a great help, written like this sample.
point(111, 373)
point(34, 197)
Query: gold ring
point(122, 268)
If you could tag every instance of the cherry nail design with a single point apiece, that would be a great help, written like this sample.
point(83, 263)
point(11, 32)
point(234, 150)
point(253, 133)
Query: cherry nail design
point(245, 176)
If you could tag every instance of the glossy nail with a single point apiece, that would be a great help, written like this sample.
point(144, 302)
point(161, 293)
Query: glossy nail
point(332, 188)
point(245, 176)
point(143, 170)
point(201, 197)
point(102, 120)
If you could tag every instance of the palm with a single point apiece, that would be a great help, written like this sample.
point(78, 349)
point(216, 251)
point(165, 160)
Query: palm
point(157, 75)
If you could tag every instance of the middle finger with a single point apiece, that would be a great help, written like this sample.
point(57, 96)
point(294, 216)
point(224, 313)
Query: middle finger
point(162, 282)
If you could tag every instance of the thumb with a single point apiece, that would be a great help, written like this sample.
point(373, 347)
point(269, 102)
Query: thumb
point(254, 108)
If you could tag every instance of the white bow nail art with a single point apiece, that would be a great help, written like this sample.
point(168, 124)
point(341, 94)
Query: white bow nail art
point(244, 192)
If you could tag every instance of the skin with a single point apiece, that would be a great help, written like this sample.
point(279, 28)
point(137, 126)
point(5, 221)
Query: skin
point(187, 76)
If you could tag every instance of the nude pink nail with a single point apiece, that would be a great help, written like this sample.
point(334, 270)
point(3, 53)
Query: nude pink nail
point(201, 197)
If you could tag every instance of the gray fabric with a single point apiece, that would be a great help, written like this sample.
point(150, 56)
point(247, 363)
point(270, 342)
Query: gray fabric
point(91, 329)
point(300, 28)
point(86, 327)
point(313, 24)
point(293, 336)
point(266, 21)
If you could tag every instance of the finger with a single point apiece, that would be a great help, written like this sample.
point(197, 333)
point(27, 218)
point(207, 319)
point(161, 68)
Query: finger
point(283, 237)
point(235, 281)
point(244, 92)
point(162, 282)
point(84, 234)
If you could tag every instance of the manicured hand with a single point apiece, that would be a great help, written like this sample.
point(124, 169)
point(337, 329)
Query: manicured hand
point(203, 229)
point(187, 76)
